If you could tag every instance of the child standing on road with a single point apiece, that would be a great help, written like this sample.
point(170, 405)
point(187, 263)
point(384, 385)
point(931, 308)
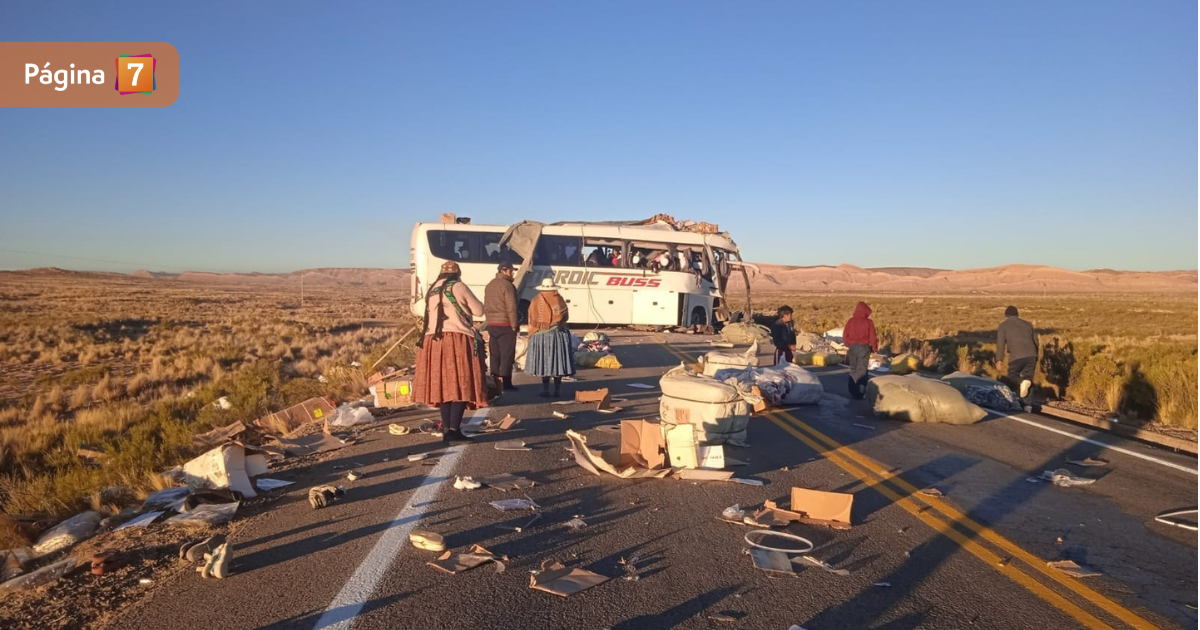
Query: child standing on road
point(859, 335)
point(783, 334)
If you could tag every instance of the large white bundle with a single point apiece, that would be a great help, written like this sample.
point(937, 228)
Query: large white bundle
point(717, 360)
point(740, 333)
point(685, 384)
point(522, 345)
point(715, 422)
point(919, 399)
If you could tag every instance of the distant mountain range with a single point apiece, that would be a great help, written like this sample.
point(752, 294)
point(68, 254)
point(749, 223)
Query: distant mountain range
point(772, 279)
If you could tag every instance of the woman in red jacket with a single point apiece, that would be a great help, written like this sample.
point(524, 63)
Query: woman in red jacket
point(859, 335)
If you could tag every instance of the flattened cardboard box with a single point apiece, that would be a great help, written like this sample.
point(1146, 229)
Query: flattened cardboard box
point(823, 508)
point(289, 419)
point(641, 444)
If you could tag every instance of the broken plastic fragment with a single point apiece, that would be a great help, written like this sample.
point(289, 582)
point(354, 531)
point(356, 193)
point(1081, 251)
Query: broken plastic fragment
point(1064, 478)
point(508, 505)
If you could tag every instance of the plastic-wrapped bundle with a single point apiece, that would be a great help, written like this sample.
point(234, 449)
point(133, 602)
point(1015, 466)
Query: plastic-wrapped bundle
point(919, 399)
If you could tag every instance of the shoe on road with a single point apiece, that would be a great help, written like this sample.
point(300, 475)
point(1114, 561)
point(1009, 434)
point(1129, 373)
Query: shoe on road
point(466, 483)
point(216, 563)
point(427, 540)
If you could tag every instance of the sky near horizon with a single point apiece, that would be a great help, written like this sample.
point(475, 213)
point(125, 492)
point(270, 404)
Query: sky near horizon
point(312, 134)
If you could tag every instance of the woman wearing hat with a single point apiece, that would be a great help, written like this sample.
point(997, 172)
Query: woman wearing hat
point(450, 360)
point(549, 354)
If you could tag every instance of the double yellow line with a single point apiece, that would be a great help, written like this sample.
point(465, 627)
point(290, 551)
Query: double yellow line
point(952, 523)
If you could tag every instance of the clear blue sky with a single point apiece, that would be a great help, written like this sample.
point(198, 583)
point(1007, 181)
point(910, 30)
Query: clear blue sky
point(948, 134)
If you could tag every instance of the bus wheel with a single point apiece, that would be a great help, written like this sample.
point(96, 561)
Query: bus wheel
point(699, 317)
point(522, 312)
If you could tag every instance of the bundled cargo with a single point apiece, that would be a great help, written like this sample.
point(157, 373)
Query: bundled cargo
point(716, 409)
point(782, 385)
point(741, 334)
point(918, 399)
point(716, 360)
point(984, 392)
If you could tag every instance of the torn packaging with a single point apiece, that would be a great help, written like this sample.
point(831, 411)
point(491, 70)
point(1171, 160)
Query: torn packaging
point(599, 396)
point(218, 435)
point(594, 462)
point(453, 563)
point(641, 444)
point(561, 581)
point(681, 446)
point(506, 482)
point(228, 466)
point(823, 508)
point(704, 474)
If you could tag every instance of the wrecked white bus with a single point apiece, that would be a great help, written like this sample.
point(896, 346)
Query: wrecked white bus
point(651, 273)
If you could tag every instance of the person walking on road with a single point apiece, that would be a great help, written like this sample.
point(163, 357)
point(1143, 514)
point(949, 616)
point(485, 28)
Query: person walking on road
point(783, 335)
point(450, 359)
point(1020, 340)
point(549, 354)
point(859, 335)
point(500, 312)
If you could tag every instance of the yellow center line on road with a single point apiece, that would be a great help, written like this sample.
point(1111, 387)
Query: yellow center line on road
point(866, 470)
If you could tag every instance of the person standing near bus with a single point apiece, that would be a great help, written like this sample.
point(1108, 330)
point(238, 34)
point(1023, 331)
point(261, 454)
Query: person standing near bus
point(859, 335)
point(500, 312)
point(783, 335)
point(1020, 340)
point(450, 360)
point(549, 354)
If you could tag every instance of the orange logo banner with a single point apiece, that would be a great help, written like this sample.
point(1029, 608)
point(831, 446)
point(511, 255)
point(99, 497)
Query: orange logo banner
point(88, 74)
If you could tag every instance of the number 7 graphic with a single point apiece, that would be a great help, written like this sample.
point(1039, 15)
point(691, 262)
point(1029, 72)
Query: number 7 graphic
point(129, 72)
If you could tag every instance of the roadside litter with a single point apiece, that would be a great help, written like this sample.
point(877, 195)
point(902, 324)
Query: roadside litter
point(466, 483)
point(557, 579)
point(639, 386)
point(506, 482)
point(560, 415)
point(755, 539)
point(398, 429)
point(171, 498)
point(106, 562)
point(1087, 462)
point(206, 515)
point(1171, 517)
point(219, 435)
point(575, 524)
point(322, 496)
point(919, 399)
point(141, 521)
point(1073, 569)
point(288, 420)
point(1064, 478)
point(44, 575)
point(416, 457)
point(348, 416)
point(487, 425)
point(391, 390)
point(67, 533)
point(427, 540)
point(353, 475)
point(601, 397)
point(515, 505)
point(227, 466)
point(194, 550)
point(813, 562)
point(984, 392)
point(512, 445)
point(216, 563)
point(454, 563)
point(594, 462)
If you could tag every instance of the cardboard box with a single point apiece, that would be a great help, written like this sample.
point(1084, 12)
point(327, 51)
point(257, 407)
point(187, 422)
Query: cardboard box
point(681, 446)
point(295, 416)
point(448, 217)
point(394, 393)
point(599, 396)
point(823, 508)
point(710, 456)
point(761, 406)
point(641, 444)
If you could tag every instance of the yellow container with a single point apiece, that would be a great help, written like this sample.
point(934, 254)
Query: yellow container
point(822, 359)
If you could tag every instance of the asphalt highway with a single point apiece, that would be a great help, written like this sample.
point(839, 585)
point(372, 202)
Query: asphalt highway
point(975, 558)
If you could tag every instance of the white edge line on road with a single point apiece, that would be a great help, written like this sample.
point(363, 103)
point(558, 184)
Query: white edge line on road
point(358, 589)
point(1097, 442)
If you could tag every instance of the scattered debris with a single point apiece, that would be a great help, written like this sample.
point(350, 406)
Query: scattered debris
point(321, 496)
point(733, 514)
point(726, 616)
point(216, 563)
point(1064, 478)
point(883, 584)
point(594, 462)
point(512, 445)
point(219, 435)
point(823, 508)
point(227, 466)
point(453, 563)
point(770, 560)
point(353, 475)
point(44, 575)
point(194, 550)
point(746, 482)
point(1073, 569)
point(506, 482)
point(267, 485)
point(575, 524)
point(599, 396)
point(416, 457)
point(559, 580)
point(466, 483)
point(510, 505)
point(106, 562)
point(207, 515)
point(1170, 518)
point(1088, 462)
point(1032, 480)
point(932, 492)
point(639, 386)
point(73, 530)
point(705, 474)
point(820, 564)
point(288, 420)
point(398, 429)
point(427, 540)
point(560, 415)
point(752, 537)
point(141, 521)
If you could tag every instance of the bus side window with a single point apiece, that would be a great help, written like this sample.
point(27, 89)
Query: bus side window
point(558, 251)
point(451, 245)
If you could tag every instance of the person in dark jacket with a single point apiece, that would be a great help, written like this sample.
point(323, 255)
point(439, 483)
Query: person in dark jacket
point(1017, 337)
point(500, 311)
point(859, 335)
point(783, 334)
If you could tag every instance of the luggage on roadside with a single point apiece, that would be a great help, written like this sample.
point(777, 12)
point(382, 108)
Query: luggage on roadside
point(717, 360)
point(919, 399)
point(984, 392)
point(742, 333)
